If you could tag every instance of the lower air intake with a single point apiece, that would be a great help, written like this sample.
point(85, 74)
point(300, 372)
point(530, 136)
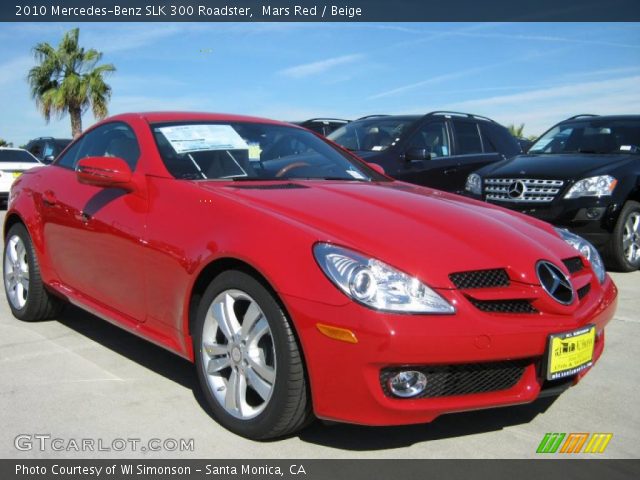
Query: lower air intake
point(462, 379)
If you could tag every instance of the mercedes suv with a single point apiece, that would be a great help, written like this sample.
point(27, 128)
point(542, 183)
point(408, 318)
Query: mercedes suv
point(438, 150)
point(584, 175)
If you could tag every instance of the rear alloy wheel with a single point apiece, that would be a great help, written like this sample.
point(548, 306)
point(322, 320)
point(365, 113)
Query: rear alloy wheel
point(28, 298)
point(248, 361)
point(623, 251)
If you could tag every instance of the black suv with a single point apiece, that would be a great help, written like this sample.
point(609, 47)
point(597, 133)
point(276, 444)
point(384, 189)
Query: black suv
point(439, 149)
point(46, 149)
point(583, 174)
point(323, 126)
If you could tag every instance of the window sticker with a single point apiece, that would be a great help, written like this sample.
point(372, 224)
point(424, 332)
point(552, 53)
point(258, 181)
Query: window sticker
point(194, 138)
point(377, 148)
point(445, 150)
point(542, 144)
point(254, 151)
point(356, 174)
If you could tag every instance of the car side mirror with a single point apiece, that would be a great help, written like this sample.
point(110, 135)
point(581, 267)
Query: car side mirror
point(417, 154)
point(48, 159)
point(106, 172)
point(376, 167)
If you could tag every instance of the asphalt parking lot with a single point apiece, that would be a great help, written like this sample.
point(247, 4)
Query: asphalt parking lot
point(79, 377)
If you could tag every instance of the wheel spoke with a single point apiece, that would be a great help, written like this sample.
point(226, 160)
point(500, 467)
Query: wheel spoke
point(261, 328)
point(635, 224)
point(265, 371)
point(231, 398)
point(213, 349)
point(226, 317)
point(11, 250)
point(250, 318)
point(258, 384)
point(217, 363)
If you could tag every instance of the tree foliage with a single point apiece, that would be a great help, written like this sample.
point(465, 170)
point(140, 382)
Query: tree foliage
point(69, 80)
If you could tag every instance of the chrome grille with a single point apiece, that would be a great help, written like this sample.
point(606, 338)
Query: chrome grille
point(522, 189)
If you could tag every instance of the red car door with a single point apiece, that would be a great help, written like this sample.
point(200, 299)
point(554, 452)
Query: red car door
point(96, 235)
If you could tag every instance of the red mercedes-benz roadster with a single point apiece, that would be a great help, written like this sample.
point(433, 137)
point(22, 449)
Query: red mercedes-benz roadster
point(299, 280)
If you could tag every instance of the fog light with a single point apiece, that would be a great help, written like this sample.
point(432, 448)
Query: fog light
point(593, 213)
point(407, 383)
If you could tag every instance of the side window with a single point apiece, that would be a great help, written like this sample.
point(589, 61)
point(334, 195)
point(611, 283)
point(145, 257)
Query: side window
point(467, 137)
point(432, 136)
point(68, 160)
point(487, 142)
point(111, 140)
point(496, 138)
point(36, 149)
point(48, 149)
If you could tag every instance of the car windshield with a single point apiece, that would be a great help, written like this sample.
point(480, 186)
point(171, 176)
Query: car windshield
point(253, 151)
point(373, 135)
point(594, 136)
point(21, 156)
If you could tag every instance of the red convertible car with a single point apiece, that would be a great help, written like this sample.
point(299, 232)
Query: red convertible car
point(299, 280)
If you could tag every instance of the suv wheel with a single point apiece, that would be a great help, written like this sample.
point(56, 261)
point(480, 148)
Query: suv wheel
point(623, 251)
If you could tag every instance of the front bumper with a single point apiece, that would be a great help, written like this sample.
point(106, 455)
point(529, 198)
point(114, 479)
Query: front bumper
point(590, 217)
point(345, 377)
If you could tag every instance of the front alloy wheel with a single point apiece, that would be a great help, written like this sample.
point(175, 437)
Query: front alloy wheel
point(238, 354)
point(247, 359)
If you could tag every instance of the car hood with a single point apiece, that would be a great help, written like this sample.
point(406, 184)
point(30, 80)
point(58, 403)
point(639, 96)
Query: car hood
point(560, 166)
point(424, 232)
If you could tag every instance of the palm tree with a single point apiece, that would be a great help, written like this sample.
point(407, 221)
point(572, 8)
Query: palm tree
point(518, 131)
point(68, 79)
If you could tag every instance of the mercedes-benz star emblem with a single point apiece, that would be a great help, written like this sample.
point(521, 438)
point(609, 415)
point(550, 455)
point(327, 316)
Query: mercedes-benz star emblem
point(555, 282)
point(517, 189)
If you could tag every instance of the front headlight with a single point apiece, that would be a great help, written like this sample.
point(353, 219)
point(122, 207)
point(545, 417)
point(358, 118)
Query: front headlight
point(474, 184)
point(587, 250)
point(599, 186)
point(376, 284)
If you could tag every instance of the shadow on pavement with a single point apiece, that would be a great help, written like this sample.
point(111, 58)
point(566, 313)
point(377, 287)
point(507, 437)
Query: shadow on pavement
point(342, 436)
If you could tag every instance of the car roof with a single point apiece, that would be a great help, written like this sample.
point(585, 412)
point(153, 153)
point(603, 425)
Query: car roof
point(161, 117)
point(588, 118)
point(377, 118)
point(14, 148)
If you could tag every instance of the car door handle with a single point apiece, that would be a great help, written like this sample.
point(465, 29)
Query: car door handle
point(450, 170)
point(49, 198)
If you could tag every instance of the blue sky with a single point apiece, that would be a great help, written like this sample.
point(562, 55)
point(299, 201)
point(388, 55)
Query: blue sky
point(532, 73)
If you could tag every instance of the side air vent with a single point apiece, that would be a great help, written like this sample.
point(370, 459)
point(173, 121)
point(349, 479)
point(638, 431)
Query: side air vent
point(480, 279)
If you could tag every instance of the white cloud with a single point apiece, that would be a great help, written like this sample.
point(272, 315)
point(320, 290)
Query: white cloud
point(546, 38)
point(540, 108)
point(430, 81)
point(314, 68)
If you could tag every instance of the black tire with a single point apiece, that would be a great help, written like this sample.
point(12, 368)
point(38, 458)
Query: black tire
point(614, 251)
point(289, 408)
point(39, 303)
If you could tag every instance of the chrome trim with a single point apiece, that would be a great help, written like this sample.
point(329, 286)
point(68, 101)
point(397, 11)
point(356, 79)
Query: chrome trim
point(530, 190)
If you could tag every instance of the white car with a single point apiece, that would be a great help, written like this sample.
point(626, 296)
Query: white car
point(13, 161)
